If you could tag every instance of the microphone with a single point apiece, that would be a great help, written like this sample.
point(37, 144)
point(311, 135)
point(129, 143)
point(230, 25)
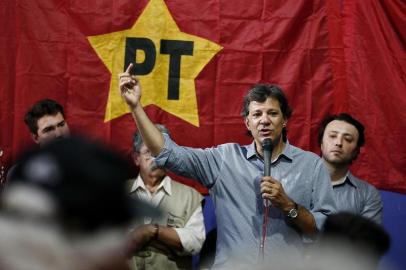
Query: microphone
point(267, 147)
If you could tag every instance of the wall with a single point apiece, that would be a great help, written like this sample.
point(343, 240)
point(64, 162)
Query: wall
point(394, 221)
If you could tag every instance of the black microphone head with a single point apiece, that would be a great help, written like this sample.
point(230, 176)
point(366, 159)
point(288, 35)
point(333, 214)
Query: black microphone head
point(267, 144)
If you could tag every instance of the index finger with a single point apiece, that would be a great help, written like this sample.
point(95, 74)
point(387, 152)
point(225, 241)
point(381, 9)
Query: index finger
point(270, 179)
point(130, 66)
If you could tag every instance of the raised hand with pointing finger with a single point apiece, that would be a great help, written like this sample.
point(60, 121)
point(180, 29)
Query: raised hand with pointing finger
point(130, 88)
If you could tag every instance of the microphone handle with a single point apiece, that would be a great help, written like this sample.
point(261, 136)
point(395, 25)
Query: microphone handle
point(267, 203)
point(267, 163)
point(267, 170)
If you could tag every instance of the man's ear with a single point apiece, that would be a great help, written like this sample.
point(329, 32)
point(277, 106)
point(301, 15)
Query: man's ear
point(35, 138)
point(247, 123)
point(136, 158)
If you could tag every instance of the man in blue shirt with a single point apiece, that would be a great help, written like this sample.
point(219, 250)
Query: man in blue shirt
point(298, 191)
point(340, 139)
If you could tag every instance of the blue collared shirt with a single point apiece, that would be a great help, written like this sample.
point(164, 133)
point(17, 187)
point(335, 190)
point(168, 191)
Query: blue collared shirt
point(232, 173)
point(359, 197)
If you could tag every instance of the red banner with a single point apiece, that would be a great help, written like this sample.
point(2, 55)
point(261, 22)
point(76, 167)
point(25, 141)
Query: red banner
point(375, 60)
point(198, 58)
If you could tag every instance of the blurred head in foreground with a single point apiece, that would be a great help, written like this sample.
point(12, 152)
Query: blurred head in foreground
point(350, 241)
point(347, 241)
point(66, 207)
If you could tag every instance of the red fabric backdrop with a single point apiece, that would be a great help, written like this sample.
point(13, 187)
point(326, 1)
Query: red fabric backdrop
point(329, 56)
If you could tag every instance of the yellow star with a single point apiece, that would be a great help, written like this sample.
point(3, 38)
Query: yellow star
point(168, 78)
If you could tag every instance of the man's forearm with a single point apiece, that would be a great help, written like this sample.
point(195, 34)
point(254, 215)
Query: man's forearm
point(305, 221)
point(160, 237)
point(167, 240)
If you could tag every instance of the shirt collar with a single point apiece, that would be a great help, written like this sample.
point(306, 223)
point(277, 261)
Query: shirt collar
point(165, 185)
point(251, 152)
point(286, 153)
point(351, 180)
point(348, 178)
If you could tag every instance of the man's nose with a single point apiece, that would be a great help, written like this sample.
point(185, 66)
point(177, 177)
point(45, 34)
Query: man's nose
point(58, 132)
point(265, 119)
point(339, 141)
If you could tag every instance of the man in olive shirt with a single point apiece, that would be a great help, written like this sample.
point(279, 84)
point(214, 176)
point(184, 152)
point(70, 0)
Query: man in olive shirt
point(167, 241)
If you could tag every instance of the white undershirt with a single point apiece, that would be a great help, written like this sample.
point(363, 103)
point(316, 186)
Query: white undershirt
point(340, 181)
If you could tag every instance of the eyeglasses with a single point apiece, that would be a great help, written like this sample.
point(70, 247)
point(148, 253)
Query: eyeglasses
point(146, 153)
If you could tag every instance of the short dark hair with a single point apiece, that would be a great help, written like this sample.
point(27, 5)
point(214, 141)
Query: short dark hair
point(346, 118)
point(137, 139)
point(259, 93)
point(39, 109)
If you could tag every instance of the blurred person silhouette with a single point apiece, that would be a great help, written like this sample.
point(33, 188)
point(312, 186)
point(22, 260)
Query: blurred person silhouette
point(349, 241)
point(67, 207)
point(170, 241)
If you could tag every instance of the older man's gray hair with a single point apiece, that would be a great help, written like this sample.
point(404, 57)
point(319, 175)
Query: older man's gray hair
point(137, 139)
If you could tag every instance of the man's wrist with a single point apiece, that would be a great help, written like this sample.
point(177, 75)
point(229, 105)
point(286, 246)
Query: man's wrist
point(292, 204)
point(293, 211)
point(134, 107)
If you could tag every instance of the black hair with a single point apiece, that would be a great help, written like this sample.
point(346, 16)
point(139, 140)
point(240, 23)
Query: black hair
point(346, 118)
point(39, 109)
point(137, 139)
point(259, 93)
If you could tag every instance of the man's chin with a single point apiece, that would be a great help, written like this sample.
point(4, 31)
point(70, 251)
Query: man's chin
point(157, 174)
point(338, 162)
point(275, 140)
point(44, 142)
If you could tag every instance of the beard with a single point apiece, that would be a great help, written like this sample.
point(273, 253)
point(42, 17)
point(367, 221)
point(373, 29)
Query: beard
point(339, 162)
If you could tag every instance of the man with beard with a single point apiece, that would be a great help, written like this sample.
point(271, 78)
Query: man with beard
point(168, 241)
point(340, 139)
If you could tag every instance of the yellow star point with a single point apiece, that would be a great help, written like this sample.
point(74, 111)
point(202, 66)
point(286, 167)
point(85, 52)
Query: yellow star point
point(157, 26)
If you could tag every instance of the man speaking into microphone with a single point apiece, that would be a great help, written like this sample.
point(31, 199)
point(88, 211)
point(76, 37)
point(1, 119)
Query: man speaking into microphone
point(298, 189)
